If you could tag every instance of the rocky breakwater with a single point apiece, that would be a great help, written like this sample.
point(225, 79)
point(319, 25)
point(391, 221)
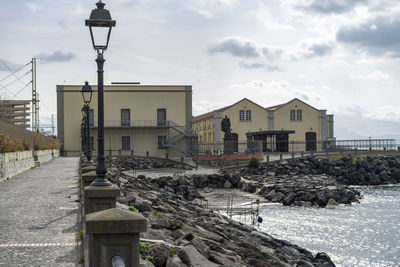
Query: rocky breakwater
point(348, 170)
point(138, 163)
point(183, 233)
point(307, 190)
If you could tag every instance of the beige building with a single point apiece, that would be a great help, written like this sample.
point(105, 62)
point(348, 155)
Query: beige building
point(292, 126)
point(15, 112)
point(152, 120)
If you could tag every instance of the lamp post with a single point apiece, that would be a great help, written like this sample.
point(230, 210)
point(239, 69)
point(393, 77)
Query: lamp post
point(83, 145)
point(87, 98)
point(100, 22)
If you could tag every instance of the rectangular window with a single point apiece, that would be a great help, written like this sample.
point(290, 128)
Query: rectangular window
point(126, 142)
point(91, 117)
point(299, 115)
point(162, 140)
point(125, 117)
point(161, 116)
point(248, 115)
point(91, 142)
point(241, 115)
point(292, 115)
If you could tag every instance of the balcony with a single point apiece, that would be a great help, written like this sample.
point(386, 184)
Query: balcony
point(134, 124)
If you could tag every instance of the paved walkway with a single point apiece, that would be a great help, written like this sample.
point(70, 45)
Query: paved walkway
point(39, 216)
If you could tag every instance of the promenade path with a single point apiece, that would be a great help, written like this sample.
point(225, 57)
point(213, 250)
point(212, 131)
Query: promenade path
point(40, 216)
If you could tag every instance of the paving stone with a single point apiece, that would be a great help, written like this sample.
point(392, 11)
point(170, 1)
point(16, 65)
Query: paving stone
point(40, 216)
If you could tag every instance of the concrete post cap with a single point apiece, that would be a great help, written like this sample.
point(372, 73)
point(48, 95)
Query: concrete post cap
point(115, 221)
point(101, 191)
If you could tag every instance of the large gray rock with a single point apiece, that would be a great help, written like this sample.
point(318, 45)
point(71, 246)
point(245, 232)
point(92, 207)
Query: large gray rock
point(190, 256)
point(160, 253)
point(175, 262)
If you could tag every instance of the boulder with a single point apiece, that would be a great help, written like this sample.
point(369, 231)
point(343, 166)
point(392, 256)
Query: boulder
point(160, 253)
point(191, 257)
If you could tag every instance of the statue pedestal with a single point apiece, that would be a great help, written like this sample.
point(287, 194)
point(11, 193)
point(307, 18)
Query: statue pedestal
point(229, 144)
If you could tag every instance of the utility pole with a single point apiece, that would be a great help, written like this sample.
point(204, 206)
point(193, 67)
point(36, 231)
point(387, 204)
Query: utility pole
point(52, 124)
point(35, 99)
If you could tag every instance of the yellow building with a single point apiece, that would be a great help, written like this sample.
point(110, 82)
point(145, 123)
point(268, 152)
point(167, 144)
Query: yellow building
point(152, 120)
point(292, 126)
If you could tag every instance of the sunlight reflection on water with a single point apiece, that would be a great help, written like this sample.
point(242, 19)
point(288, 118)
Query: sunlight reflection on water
point(365, 234)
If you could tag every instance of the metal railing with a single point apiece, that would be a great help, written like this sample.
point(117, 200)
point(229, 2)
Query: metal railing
point(260, 146)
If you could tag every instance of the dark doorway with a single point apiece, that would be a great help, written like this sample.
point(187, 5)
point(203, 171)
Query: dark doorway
point(282, 142)
point(311, 141)
point(161, 117)
point(235, 139)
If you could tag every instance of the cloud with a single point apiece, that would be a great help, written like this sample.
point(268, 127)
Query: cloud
point(311, 49)
point(328, 6)
point(389, 113)
point(258, 65)
point(250, 50)
point(376, 75)
point(6, 65)
point(209, 8)
point(204, 106)
point(32, 7)
point(57, 56)
point(379, 36)
point(236, 47)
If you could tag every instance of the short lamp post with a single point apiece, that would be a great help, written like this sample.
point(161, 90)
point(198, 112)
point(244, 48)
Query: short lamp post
point(100, 25)
point(83, 132)
point(87, 98)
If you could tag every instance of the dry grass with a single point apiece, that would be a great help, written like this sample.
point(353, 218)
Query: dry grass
point(14, 138)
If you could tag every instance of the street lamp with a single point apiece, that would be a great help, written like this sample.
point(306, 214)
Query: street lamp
point(100, 25)
point(83, 132)
point(87, 97)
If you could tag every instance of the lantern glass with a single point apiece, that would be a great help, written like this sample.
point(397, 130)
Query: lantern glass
point(100, 25)
point(87, 93)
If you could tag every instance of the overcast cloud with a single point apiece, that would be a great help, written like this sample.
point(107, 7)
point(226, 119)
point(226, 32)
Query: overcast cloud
point(339, 55)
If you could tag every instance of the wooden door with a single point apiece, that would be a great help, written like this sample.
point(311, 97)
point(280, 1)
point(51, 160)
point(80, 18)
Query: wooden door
point(311, 141)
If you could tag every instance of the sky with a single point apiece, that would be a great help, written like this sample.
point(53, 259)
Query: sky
point(338, 55)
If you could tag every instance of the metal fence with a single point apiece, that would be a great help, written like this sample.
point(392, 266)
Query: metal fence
point(243, 147)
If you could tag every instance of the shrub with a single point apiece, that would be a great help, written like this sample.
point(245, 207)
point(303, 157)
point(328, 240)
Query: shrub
point(132, 208)
point(150, 259)
point(142, 247)
point(254, 163)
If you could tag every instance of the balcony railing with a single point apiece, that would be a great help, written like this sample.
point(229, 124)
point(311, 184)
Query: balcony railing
point(134, 124)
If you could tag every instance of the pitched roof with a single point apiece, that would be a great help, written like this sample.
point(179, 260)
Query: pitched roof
point(276, 107)
point(211, 114)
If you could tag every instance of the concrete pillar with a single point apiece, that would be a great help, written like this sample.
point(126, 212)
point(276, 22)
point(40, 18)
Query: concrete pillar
point(88, 168)
point(292, 155)
point(280, 156)
point(88, 178)
point(99, 198)
point(114, 232)
point(302, 154)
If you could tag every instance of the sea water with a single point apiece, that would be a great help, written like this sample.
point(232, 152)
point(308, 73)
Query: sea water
point(361, 234)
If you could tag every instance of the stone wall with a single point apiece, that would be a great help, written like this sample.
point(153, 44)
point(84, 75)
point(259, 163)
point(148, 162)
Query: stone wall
point(14, 163)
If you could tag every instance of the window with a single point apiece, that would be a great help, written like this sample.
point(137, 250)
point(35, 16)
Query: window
point(292, 115)
point(161, 116)
point(299, 115)
point(125, 117)
point(91, 117)
point(162, 140)
point(248, 115)
point(91, 142)
point(241, 115)
point(126, 142)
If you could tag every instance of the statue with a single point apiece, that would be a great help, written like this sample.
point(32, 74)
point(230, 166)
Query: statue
point(226, 125)
point(229, 143)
